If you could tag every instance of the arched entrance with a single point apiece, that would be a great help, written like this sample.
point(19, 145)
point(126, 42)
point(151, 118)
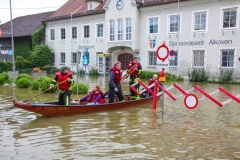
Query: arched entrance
point(125, 58)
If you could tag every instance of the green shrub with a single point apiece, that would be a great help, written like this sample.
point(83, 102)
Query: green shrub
point(198, 75)
point(5, 75)
point(23, 83)
point(25, 70)
point(53, 70)
point(40, 79)
point(44, 85)
point(35, 85)
point(2, 80)
point(93, 72)
point(82, 88)
point(225, 75)
point(22, 76)
point(168, 76)
point(5, 66)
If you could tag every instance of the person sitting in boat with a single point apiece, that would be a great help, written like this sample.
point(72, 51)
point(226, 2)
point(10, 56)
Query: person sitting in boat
point(64, 80)
point(95, 96)
point(152, 80)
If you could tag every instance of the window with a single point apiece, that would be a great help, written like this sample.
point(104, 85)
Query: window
point(198, 58)
point(74, 32)
point(173, 60)
point(63, 34)
point(227, 58)
point(86, 31)
point(74, 57)
point(52, 34)
point(174, 23)
point(62, 58)
point(128, 29)
point(90, 6)
point(120, 29)
point(229, 18)
point(99, 30)
point(111, 30)
point(152, 58)
point(153, 25)
point(200, 20)
point(53, 59)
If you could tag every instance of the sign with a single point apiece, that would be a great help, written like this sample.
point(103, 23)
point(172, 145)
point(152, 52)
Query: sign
point(0, 45)
point(86, 50)
point(0, 33)
point(191, 101)
point(172, 53)
point(162, 52)
point(10, 51)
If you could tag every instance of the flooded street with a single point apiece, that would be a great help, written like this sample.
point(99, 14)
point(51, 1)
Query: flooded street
point(138, 132)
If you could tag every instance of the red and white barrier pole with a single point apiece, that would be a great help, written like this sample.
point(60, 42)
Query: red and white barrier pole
point(155, 95)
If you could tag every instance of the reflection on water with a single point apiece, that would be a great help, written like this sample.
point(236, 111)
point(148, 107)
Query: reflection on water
point(207, 132)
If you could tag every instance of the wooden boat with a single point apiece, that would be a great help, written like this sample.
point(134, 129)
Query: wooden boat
point(54, 109)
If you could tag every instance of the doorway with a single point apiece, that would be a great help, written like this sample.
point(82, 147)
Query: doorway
point(125, 58)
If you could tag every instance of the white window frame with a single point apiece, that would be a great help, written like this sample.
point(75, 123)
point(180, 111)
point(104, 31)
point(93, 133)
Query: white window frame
point(90, 6)
point(84, 25)
point(61, 62)
point(97, 29)
point(148, 25)
point(237, 18)
point(128, 33)
point(119, 29)
point(168, 23)
point(204, 61)
point(71, 30)
point(74, 58)
point(111, 34)
point(50, 35)
point(193, 21)
point(234, 59)
point(148, 63)
point(60, 33)
point(178, 60)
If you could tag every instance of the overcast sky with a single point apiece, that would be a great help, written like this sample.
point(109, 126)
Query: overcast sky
point(27, 7)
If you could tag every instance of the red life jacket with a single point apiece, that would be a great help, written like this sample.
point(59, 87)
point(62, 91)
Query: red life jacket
point(130, 65)
point(151, 81)
point(118, 74)
point(94, 94)
point(61, 77)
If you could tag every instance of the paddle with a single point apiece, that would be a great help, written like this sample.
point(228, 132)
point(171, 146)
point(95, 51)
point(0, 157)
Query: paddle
point(124, 77)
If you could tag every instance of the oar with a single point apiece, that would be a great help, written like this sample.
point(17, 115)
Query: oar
point(44, 91)
point(124, 77)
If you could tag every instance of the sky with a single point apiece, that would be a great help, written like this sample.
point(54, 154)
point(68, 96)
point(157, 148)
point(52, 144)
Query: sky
point(27, 7)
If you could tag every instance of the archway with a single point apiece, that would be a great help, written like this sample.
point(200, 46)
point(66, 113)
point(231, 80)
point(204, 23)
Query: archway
point(125, 58)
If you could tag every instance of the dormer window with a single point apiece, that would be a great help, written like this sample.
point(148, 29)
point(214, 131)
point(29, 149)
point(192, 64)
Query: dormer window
point(90, 6)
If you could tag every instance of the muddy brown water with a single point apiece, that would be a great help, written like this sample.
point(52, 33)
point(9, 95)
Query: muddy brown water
point(137, 132)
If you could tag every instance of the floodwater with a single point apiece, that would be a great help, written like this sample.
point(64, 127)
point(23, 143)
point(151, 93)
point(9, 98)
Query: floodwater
point(137, 132)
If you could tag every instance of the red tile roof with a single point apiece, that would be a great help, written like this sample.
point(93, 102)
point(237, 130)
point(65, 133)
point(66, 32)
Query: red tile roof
point(25, 25)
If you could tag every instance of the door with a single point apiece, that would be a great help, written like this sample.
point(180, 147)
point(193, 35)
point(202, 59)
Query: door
point(125, 58)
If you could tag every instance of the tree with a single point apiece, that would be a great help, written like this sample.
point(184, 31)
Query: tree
point(42, 56)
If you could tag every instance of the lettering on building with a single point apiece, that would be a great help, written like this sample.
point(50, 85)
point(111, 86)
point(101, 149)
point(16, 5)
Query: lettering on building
point(219, 42)
point(83, 47)
point(186, 43)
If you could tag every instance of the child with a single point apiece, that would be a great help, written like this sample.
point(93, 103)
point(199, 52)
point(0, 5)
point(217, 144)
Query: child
point(95, 96)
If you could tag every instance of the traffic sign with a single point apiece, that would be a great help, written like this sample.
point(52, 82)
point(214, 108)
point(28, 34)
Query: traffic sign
point(162, 52)
point(191, 101)
point(172, 53)
point(86, 50)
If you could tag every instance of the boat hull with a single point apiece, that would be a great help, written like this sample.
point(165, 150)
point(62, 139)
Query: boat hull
point(54, 109)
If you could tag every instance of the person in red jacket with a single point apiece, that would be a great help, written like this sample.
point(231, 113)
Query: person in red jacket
point(65, 80)
point(95, 96)
point(114, 83)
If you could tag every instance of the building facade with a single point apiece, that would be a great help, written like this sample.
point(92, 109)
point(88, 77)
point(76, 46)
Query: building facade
point(199, 34)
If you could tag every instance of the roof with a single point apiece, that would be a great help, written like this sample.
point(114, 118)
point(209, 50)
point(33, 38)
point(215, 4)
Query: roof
point(155, 2)
point(77, 8)
point(25, 25)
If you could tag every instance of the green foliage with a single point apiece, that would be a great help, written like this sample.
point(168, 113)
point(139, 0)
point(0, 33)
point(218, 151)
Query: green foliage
point(25, 70)
point(38, 37)
point(41, 56)
point(93, 72)
point(35, 85)
point(22, 48)
point(45, 83)
point(5, 75)
point(53, 70)
point(82, 88)
point(21, 63)
point(168, 76)
point(2, 80)
point(225, 76)
point(20, 76)
point(40, 79)
point(23, 83)
point(5, 66)
point(198, 75)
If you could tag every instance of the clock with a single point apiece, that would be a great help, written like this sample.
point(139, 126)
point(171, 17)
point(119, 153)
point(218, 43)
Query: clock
point(119, 4)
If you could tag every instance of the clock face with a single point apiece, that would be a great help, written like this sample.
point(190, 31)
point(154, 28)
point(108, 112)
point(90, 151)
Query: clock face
point(119, 5)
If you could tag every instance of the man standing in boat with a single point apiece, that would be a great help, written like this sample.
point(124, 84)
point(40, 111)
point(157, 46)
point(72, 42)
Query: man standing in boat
point(114, 83)
point(134, 69)
point(65, 80)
